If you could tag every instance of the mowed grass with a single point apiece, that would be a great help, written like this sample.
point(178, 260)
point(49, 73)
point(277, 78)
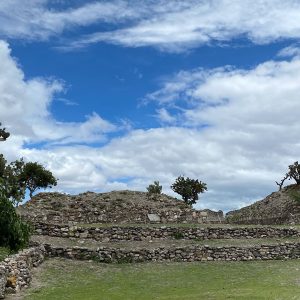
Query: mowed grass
point(77, 280)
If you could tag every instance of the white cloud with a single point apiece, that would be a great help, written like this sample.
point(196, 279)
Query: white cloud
point(24, 108)
point(37, 19)
point(176, 26)
point(167, 25)
point(164, 116)
point(290, 51)
point(251, 139)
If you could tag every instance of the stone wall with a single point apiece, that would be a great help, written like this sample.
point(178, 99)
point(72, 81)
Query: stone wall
point(187, 254)
point(119, 207)
point(122, 233)
point(15, 271)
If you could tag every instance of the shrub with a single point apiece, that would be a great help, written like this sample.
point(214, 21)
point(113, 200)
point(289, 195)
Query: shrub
point(14, 233)
point(188, 189)
point(178, 235)
point(154, 188)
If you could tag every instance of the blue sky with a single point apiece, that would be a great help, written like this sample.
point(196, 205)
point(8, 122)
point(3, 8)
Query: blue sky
point(116, 94)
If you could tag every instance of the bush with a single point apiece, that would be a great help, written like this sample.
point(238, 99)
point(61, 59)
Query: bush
point(188, 189)
point(13, 232)
point(154, 188)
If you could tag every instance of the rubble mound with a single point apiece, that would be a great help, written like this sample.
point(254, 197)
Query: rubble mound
point(282, 207)
point(118, 207)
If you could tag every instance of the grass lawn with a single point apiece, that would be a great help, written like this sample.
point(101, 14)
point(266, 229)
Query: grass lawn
point(65, 279)
point(3, 253)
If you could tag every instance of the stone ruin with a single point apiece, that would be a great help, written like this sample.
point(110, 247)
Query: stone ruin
point(280, 207)
point(119, 207)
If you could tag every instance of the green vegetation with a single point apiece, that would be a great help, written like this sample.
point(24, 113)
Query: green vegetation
point(66, 279)
point(15, 178)
point(4, 252)
point(35, 176)
point(178, 235)
point(18, 176)
point(188, 189)
point(14, 233)
point(154, 188)
point(3, 134)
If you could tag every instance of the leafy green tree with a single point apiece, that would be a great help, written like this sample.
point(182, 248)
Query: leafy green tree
point(154, 188)
point(14, 233)
point(18, 176)
point(294, 172)
point(3, 134)
point(188, 189)
point(34, 176)
point(10, 183)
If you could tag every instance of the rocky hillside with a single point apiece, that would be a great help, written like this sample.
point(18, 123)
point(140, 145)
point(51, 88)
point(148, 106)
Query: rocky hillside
point(113, 207)
point(282, 207)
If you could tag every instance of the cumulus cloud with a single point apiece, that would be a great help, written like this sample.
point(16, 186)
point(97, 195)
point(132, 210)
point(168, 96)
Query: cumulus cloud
point(238, 132)
point(247, 122)
point(25, 108)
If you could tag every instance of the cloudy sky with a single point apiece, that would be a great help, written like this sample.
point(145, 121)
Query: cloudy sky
point(116, 94)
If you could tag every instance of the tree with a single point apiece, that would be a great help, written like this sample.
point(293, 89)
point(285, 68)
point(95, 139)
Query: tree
point(154, 188)
point(293, 173)
point(14, 233)
point(188, 189)
point(34, 176)
point(18, 176)
point(10, 184)
point(3, 134)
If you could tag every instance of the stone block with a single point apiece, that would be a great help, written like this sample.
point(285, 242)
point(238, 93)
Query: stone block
point(153, 217)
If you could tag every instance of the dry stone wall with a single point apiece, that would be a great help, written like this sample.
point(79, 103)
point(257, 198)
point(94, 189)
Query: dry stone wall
point(186, 254)
point(114, 207)
point(132, 233)
point(15, 271)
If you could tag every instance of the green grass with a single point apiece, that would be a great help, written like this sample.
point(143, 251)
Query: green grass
point(4, 252)
point(66, 279)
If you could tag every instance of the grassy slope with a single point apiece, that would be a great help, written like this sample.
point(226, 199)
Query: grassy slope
point(63, 279)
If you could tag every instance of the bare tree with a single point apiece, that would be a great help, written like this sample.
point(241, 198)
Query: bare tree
point(293, 173)
point(282, 182)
